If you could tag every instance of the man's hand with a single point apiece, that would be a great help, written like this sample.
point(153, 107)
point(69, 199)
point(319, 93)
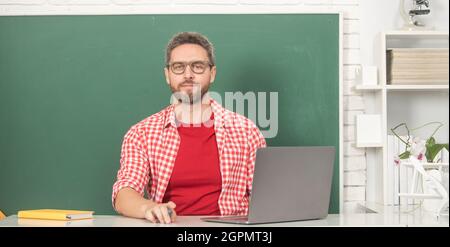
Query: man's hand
point(161, 213)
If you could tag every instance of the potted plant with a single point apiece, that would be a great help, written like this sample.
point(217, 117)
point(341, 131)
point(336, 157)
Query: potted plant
point(423, 155)
point(418, 147)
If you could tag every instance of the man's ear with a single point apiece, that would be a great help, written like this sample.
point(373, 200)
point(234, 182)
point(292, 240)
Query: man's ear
point(166, 73)
point(213, 74)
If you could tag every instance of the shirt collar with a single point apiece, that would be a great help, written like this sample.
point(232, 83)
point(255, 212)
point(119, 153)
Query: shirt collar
point(217, 109)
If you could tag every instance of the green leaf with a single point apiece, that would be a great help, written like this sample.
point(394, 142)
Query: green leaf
point(431, 141)
point(404, 155)
point(433, 150)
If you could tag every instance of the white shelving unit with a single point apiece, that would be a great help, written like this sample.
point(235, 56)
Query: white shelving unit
point(398, 103)
point(416, 87)
point(365, 88)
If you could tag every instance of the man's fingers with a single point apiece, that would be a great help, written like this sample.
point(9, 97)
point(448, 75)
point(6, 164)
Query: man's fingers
point(174, 215)
point(165, 214)
point(162, 213)
point(170, 208)
point(149, 216)
point(171, 205)
point(157, 212)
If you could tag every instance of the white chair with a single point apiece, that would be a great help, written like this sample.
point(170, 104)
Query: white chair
point(438, 191)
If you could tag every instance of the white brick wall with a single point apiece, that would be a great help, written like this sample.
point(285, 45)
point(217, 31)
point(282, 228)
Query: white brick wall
point(349, 88)
point(350, 117)
point(355, 178)
point(139, 2)
point(23, 2)
point(351, 41)
point(211, 2)
point(349, 133)
point(354, 193)
point(351, 150)
point(350, 72)
point(355, 163)
point(351, 26)
point(354, 160)
point(270, 2)
point(78, 2)
point(352, 103)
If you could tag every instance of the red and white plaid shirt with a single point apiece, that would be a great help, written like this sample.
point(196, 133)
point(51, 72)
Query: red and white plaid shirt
point(150, 148)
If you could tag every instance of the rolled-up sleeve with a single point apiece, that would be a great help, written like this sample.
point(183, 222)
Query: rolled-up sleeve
point(256, 140)
point(134, 164)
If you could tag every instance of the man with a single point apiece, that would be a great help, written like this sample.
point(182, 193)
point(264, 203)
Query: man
point(194, 155)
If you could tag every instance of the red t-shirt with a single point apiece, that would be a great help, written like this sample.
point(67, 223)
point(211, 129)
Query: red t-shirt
point(196, 183)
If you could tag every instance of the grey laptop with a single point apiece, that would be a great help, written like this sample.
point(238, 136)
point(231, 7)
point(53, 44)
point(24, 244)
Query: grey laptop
point(289, 184)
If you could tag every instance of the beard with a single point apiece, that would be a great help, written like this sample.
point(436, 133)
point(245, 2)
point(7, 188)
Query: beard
point(192, 95)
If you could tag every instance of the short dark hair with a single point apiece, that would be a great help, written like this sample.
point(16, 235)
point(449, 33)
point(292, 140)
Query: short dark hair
point(190, 38)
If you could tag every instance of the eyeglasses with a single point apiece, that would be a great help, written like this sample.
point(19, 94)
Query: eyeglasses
point(198, 67)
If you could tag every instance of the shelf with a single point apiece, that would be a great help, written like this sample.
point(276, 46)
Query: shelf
point(368, 87)
point(416, 87)
point(369, 145)
point(417, 34)
point(401, 87)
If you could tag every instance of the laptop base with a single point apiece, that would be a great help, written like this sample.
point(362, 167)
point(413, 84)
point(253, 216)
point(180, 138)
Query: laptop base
point(228, 219)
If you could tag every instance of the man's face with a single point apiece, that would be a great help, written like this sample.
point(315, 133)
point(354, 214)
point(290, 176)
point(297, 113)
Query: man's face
point(195, 85)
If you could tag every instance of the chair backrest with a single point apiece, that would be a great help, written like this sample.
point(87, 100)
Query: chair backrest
point(434, 184)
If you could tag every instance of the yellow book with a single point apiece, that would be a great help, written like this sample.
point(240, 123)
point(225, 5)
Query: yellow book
point(54, 223)
point(55, 214)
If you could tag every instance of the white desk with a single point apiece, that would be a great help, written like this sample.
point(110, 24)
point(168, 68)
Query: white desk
point(385, 217)
point(333, 220)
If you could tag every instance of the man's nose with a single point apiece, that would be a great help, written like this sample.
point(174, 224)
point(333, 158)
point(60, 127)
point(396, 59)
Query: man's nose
point(188, 74)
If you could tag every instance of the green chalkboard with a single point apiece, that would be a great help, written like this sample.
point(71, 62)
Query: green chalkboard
point(71, 86)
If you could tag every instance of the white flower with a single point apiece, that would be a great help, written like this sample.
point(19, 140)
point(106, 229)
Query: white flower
point(418, 148)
